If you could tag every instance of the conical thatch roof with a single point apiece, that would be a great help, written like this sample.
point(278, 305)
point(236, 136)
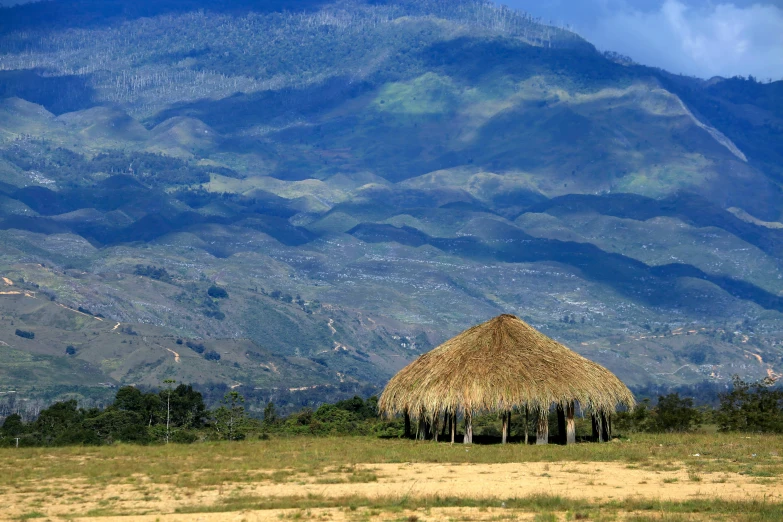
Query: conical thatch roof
point(498, 365)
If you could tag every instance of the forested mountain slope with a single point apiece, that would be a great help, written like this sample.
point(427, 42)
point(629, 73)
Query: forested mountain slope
point(317, 192)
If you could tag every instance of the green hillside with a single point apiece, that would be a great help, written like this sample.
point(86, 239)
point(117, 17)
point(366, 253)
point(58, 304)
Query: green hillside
point(365, 180)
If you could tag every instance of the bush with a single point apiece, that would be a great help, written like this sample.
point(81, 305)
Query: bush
point(196, 347)
point(183, 437)
point(119, 425)
point(217, 292)
point(212, 355)
point(153, 272)
point(636, 420)
point(70, 350)
point(25, 334)
point(12, 425)
point(752, 407)
point(215, 314)
point(674, 414)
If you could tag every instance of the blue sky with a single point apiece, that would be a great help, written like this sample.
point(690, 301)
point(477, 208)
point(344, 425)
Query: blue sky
point(697, 37)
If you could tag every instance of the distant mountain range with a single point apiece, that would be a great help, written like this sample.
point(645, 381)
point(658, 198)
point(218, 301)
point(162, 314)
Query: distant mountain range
point(296, 201)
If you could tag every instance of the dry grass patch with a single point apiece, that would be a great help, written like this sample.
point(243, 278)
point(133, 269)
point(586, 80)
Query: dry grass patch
point(134, 480)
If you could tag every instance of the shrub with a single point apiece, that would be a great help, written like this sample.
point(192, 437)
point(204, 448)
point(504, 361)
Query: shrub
point(212, 355)
point(674, 414)
point(119, 425)
point(184, 437)
point(12, 425)
point(215, 314)
point(25, 334)
point(635, 420)
point(153, 272)
point(128, 330)
point(755, 407)
point(217, 292)
point(196, 347)
point(70, 350)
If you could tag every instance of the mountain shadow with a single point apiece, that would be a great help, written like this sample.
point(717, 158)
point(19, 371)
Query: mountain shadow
point(240, 111)
point(58, 94)
point(690, 208)
point(63, 14)
point(654, 285)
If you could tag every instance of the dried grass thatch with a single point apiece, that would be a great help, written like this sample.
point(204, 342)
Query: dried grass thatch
point(499, 365)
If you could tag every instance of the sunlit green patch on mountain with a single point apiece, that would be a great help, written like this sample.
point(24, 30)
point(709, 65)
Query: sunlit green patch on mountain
point(428, 94)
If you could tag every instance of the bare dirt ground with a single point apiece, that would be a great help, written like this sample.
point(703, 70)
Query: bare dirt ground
point(142, 499)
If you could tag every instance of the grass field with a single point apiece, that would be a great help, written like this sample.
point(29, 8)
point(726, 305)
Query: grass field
point(646, 477)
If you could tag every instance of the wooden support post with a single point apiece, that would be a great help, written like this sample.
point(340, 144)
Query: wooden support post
point(446, 425)
point(570, 425)
point(435, 427)
point(421, 429)
point(606, 427)
point(542, 431)
point(504, 428)
point(468, 428)
point(453, 422)
point(561, 424)
point(508, 425)
point(597, 428)
point(407, 424)
point(527, 423)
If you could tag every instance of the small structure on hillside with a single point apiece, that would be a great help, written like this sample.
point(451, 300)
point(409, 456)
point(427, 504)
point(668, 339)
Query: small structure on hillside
point(498, 366)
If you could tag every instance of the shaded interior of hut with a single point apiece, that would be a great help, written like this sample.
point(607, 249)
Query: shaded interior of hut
point(558, 425)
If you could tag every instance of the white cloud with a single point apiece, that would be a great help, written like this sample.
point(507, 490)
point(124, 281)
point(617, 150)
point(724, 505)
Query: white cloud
point(720, 40)
point(694, 37)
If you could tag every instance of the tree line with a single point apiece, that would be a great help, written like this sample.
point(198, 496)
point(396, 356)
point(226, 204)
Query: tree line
point(747, 407)
point(179, 415)
point(172, 414)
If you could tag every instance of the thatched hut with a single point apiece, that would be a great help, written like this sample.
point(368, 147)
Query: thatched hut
point(498, 366)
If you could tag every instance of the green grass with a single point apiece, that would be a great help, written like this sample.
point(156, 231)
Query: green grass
point(32, 514)
point(277, 459)
point(154, 472)
point(546, 506)
point(427, 94)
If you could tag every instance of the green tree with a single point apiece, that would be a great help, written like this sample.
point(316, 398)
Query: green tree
point(168, 383)
point(148, 405)
point(13, 426)
point(270, 414)
point(63, 423)
point(230, 419)
point(330, 419)
point(217, 292)
point(58, 418)
point(674, 414)
point(756, 407)
point(636, 420)
point(363, 409)
point(187, 408)
point(129, 398)
point(153, 405)
point(118, 425)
